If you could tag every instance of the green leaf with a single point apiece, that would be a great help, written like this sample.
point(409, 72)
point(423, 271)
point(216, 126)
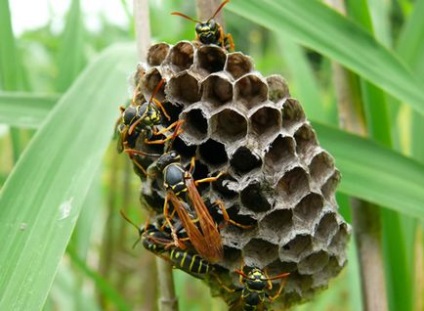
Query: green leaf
point(375, 173)
point(42, 198)
point(315, 25)
point(26, 110)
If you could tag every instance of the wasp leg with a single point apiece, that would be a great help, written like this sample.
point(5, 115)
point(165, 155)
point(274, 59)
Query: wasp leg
point(177, 241)
point(159, 104)
point(227, 217)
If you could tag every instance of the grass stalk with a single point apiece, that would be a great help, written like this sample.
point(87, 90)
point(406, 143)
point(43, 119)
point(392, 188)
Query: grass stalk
point(366, 217)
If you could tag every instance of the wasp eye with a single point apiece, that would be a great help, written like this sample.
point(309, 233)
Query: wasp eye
point(212, 24)
point(198, 28)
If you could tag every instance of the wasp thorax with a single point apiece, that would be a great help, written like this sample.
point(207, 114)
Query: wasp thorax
point(278, 178)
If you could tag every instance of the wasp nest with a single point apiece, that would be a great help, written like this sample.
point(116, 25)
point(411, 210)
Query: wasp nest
point(277, 177)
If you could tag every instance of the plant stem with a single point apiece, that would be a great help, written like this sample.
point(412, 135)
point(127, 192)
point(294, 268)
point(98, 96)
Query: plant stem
point(167, 299)
point(366, 216)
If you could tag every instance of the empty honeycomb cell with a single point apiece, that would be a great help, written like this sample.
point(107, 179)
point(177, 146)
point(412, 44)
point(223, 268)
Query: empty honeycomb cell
point(259, 253)
point(329, 271)
point(321, 167)
point(307, 211)
point(294, 184)
point(221, 187)
point(229, 125)
point(173, 111)
point(327, 227)
point(149, 82)
point(313, 263)
point(217, 90)
point(292, 113)
point(306, 140)
point(211, 58)
point(277, 88)
point(329, 187)
point(280, 153)
point(266, 121)
point(185, 151)
point(196, 124)
point(232, 256)
point(213, 153)
point(181, 56)
point(278, 267)
point(253, 198)
point(339, 241)
point(157, 53)
point(139, 74)
point(251, 90)
point(238, 64)
point(235, 214)
point(183, 89)
point(244, 161)
point(296, 248)
point(276, 224)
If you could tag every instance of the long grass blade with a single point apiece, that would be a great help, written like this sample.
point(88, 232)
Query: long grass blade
point(42, 198)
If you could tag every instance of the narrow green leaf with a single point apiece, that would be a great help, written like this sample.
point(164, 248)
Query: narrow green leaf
point(375, 173)
point(27, 110)
point(42, 198)
point(71, 54)
point(10, 66)
point(314, 25)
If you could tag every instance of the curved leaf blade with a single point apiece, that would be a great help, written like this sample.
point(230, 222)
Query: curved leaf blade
point(42, 198)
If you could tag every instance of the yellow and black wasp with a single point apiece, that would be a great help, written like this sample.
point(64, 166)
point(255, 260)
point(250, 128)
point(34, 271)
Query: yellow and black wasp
point(211, 32)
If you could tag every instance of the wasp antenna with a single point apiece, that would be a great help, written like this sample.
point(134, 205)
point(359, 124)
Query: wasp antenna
point(156, 90)
point(127, 219)
point(239, 272)
point(136, 242)
point(185, 16)
point(219, 9)
point(280, 276)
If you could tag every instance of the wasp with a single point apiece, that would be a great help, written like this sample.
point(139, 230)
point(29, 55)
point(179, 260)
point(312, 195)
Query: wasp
point(211, 32)
point(255, 293)
point(144, 121)
point(160, 243)
point(182, 193)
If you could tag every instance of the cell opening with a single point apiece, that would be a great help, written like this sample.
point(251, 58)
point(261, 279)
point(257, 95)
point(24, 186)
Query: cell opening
point(149, 82)
point(277, 224)
point(313, 263)
point(260, 251)
point(217, 90)
point(183, 89)
point(265, 121)
point(229, 125)
point(238, 64)
point(292, 113)
point(182, 56)
point(195, 124)
point(157, 54)
point(280, 153)
point(294, 249)
point(251, 91)
point(294, 183)
point(220, 186)
point(305, 140)
point(213, 153)
point(321, 166)
point(327, 227)
point(329, 188)
point(308, 209)
point(253, 198)
point(211, 58)
point(277, 88)
point(244, 161)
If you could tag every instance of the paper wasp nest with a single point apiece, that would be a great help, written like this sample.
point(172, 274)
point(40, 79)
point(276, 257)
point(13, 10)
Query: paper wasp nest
point(278, 178)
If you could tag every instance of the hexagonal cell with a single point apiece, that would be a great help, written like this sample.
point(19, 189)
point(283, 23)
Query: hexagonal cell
point(277, 88)
point(253, 198)
point(183, 88)
point(217, 90)
point(266, 121)
point(339, 241)
point(196, 124)
point(251, 90)
point(228, 125)
point(185, 151)
point(328, 189)
point(278, 267)
point(292, 113)
point(298, 246)
point(173, 111)
point(306, 140)
point(260, 253)
point(280, 153)
point(181, 56)
point(232, 256)
point(211, 58)
point(276, 224)
point(321, 166)
point(149, 82)
point(313, 263)
point(308, 210)
point(157, 53)
point(139, 74)
point(244, 161)
point(238, 64)
point(327, 227)
point(220, 186)
point(213, 153)
point(294, 184)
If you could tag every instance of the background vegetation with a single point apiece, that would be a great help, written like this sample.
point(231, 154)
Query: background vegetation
point(64, 245)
